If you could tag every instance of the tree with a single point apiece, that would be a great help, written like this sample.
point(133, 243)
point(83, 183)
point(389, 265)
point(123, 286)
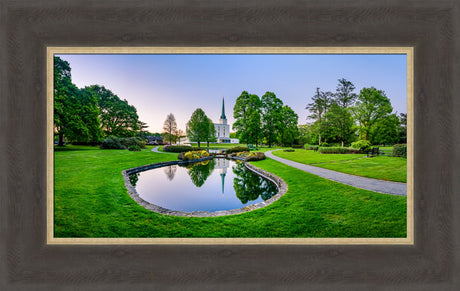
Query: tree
point(247, 118)
point(340, 124)
point(402, 128)
point(341, 118)
point(344, 95)
point(211, 135)
point(307, 134)
point(180, 134)
point(75, 113)
point(170, 125)
point(289, 132)
point(272, 119)
point(117, 117)
point(385, 130)
point(372, 105)
point(318, 108)
point(142, 133)
point(198, 128)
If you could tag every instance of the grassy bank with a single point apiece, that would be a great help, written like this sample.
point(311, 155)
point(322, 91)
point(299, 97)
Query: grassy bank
point(381, 167)
point(91, 201)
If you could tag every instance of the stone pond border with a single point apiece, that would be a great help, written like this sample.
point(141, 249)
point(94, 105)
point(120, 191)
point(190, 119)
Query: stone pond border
point(280, 184)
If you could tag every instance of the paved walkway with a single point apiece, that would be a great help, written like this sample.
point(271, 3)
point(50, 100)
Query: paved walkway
point(155, 149)
point(394, 188)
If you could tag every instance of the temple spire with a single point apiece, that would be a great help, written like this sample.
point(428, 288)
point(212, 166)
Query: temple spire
point(222, 116)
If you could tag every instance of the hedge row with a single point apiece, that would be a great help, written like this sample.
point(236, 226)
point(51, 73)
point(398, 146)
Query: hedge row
point(400, 150)
point(114, 142)
point(180, 148)
point(339, 150)
point(237, 150)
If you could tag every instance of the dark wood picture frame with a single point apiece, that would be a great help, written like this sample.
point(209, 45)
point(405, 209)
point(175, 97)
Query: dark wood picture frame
point(28, 27)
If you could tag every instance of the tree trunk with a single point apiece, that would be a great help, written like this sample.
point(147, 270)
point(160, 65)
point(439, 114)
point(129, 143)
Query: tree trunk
point(61, 140)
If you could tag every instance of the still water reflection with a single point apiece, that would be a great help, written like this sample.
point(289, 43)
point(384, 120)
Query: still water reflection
point(213, 185)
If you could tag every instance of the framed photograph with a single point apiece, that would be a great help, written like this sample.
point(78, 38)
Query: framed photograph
point(218, 188)
point(38, 254)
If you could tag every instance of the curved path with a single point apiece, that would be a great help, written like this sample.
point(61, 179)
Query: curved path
point(387, 187)
point(155, 150)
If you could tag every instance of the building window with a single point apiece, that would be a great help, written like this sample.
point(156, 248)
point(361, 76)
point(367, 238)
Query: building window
point(224, 132)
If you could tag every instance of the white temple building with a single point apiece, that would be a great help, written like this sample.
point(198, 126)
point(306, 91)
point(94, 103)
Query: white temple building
point(223, 129)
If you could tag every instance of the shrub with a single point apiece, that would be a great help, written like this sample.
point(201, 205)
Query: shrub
point(255, 156)
point(289, 150)
point(112, 142)
point(134, 148)
point(193, 155)
point(180, 148)
point(297, 146)
point(242, 154)
point(339, 150)
point(127, 142)
point(400, 150)
point(310, 147)
point(363, 145)
point(324, 144)
point(237, 149)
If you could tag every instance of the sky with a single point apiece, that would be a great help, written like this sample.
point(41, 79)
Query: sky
point(179, 84)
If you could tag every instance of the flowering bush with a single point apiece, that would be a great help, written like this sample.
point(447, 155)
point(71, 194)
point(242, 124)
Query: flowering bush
point(255, 156)
point(193, 155)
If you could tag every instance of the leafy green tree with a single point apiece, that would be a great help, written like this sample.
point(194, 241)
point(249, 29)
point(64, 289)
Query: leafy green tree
point(198, 128)
point(247, 116)
point(372, 105)
point(117, 117)
point(272, 118)
point(75, 113)
point(340, 124)
point(307, 134)
point(142, 133)
point(402, 128)
point(318, 109)
point(211, 135)
point(170, 126)
point(289, 131)
point(385, 130)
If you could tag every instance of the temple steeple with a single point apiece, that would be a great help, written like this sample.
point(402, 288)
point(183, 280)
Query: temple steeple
point(223, 118)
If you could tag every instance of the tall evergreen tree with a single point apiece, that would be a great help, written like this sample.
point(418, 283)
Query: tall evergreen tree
point(340, 117)
point(318, 108)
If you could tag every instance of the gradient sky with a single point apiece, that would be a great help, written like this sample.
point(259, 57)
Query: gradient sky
point(161, 84)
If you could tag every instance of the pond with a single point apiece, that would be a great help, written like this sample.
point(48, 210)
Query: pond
point(212, 185)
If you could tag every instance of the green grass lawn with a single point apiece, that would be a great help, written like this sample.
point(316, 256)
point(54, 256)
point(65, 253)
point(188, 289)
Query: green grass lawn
point(91, 200)
point(381, 167)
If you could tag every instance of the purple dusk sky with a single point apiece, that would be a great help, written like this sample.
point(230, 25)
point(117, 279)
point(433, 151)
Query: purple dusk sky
point(161, 84)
